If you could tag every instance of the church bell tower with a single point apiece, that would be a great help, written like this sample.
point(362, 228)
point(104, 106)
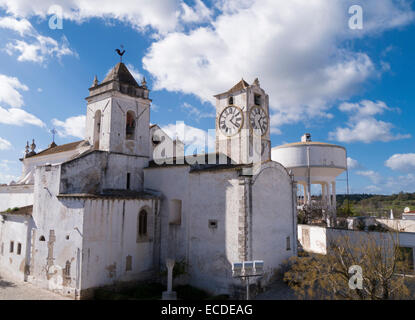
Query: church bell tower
point(242, 123)
point(118, 114)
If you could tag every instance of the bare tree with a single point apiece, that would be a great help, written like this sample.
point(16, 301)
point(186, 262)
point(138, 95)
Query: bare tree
point(383, 264)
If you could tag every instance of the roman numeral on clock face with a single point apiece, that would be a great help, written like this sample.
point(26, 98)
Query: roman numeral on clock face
point(230, 121)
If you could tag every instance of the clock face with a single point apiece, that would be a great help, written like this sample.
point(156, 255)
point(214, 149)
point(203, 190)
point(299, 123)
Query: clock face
point(259, 120)
point(231, 121)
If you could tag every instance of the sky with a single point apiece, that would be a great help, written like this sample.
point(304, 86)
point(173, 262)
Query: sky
point(341, 72)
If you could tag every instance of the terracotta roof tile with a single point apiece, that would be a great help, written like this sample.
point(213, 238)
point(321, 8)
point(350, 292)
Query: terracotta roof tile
point(62, 148)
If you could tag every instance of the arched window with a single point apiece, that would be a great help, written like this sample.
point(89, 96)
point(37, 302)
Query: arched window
point(230, 100)
point(142, 224)
point(97, 128)
point(42, 238)
point(130, 126)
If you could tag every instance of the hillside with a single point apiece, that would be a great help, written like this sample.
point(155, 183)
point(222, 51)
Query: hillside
point(374, 205)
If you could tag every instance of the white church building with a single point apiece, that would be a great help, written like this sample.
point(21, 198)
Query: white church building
point(115, 206)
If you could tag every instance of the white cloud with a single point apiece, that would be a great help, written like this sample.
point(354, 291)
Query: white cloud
point(135, 73)
point(9, 91)
point(161, 15)
point(193, 138)
point(19, 117)
point(402, 162)
point(39, 48)
point(22, 26)
point(364, 108)
point(362, 126)
point(294, 46)
point(352, 164)
point(7, 178)
point(4, 144)
point(199, 13)
point(73, 126)
point(375, 177)
point(195, 113)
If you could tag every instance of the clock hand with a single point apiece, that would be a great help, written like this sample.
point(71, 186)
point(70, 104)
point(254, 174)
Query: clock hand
point(233, 122)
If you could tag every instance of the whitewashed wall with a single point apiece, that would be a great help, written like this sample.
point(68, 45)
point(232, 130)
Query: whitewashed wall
point(399, 224)
point(64, 219)
point(14, 228)
point(274, 217)
point(15, 196)
point(220, 196)
point(110, 235)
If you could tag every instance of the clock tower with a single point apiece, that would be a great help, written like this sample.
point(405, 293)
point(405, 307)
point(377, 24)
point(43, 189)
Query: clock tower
point(242, 123)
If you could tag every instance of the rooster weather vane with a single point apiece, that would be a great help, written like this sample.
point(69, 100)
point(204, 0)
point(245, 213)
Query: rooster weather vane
point(120, 53)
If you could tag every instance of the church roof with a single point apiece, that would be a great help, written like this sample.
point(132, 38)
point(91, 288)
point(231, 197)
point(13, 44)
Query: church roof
point(241, 85)
point(62, 148)
point(120, 72)
point(112, 194)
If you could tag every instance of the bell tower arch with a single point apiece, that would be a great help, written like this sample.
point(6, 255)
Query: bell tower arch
point(118, 114)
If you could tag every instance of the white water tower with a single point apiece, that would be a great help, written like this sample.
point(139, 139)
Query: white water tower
point(313, 163)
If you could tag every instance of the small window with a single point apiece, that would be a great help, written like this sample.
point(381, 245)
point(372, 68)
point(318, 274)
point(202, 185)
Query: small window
point(130, 126)
point(42, 238)
point(67, 237)
point(67, 271)
point(213, 224)
point(128, 263)
point(11, 246)
point(257, 99)
point(142, 224)
point(128, 181)
point(230, 100)
point(175, 216)
point(288, 243)
point(19, 248)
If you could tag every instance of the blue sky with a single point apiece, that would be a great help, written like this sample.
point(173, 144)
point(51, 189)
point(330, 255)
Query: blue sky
point(352, 87)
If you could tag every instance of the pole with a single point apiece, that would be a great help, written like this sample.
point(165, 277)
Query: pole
point(247, 288)
point(347, 184)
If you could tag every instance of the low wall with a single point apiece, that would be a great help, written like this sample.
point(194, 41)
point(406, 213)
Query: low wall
point(399, 224)
point(316, 239)
point(15, 196)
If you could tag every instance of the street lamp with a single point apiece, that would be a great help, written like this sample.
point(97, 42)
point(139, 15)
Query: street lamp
point(246, 270)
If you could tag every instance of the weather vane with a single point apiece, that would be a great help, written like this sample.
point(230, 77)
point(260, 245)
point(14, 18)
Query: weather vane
point(120, 53)
point(53, 132)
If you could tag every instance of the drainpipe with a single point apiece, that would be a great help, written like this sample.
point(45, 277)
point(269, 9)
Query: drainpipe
point(308, 177)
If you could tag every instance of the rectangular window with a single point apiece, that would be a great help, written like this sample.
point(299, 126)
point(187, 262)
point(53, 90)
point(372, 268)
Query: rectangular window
point(128, 180)
point(129, 263)
point(175, 216)
point(11, 246)
point(288, 243)
point(19, 248)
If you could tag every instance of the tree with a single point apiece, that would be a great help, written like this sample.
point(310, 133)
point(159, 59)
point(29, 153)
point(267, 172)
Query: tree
point(383, 264)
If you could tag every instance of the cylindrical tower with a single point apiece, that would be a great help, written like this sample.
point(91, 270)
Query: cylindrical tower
point(313, 163)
